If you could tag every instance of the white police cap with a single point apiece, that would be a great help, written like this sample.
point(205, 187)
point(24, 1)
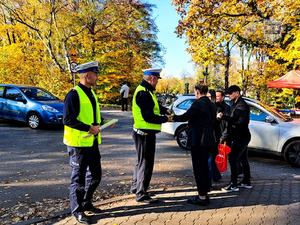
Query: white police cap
point(153, 72)
point(86, 67)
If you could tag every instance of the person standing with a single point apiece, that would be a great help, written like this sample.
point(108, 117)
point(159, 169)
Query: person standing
point(211, 94)
point(148, 116)
point(214, 174)
point(238, 124)
point(201, 118)
point(82, 136)
point(222, 125)
point(124, 91)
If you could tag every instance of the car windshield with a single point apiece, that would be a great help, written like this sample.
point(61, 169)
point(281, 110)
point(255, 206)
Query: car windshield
point(38, 94)
point(275, 112)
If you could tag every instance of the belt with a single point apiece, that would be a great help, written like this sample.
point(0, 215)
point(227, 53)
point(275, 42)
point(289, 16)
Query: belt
point(140, 132)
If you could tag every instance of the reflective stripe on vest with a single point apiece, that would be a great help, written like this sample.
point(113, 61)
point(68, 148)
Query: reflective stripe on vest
point(78, 138)
point(139, 122)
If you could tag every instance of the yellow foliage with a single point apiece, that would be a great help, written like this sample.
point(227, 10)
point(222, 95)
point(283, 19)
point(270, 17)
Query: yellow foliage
point(37, 39)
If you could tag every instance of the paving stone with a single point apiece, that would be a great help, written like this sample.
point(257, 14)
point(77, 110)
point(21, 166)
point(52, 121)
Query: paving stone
point(268, 203)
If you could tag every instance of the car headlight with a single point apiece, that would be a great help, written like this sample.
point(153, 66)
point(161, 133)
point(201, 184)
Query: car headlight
point(49, 108)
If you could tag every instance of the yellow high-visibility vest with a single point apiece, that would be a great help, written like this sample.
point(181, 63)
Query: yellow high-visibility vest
point(139, 122)
point(78, 138)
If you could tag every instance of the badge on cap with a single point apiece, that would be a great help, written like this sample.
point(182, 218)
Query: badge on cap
point(86, 67)
point(153, 72)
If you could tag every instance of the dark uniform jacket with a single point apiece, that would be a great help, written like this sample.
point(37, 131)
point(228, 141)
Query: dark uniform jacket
point(145, 102)
point(238, 120)
point(201, 118)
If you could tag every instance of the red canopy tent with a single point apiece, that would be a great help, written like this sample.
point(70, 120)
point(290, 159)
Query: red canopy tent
point(289, 80)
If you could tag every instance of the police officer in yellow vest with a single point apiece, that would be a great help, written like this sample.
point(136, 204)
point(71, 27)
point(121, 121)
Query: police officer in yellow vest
point(82, 137)
point(148, 116)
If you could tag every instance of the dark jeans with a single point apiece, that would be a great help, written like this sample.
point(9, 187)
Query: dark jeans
point(200, 168)
point(125, 104)
point(237, 156)
point(145, 150)
point(86, 175)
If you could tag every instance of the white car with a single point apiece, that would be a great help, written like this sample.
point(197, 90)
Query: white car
point(270, 131)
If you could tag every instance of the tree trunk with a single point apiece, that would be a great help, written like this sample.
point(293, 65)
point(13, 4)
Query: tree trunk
point(227, 65)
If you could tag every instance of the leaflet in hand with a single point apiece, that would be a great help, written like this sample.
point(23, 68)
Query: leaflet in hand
point(109, 123)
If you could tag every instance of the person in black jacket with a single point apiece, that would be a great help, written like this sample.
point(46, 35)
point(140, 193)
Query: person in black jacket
point(201, 118)
point(222, 125)
point(214, 174)
point(238, 122)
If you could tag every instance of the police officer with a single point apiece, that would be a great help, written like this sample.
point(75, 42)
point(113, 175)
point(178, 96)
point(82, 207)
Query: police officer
point(147, 115)
point(82, 137)
point(239, 134)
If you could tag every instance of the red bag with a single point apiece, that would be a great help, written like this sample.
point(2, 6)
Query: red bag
point(221, 158)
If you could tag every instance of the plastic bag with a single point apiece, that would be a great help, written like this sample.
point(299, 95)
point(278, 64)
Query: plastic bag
point(221, 158)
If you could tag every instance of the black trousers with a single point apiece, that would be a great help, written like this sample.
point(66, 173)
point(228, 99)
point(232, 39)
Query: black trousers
point(239, 156)
point(200, 167)
point(145, 150)
point(125, 104)
point(85, 176)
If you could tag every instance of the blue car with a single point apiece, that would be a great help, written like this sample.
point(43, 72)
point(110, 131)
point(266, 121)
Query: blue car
point(32, 105)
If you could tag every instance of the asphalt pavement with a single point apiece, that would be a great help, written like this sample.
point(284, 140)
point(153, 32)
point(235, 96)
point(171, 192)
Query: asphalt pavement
point(34, 167)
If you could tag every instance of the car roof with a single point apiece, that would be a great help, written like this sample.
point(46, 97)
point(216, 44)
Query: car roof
point(192, 96)
point(17, 85)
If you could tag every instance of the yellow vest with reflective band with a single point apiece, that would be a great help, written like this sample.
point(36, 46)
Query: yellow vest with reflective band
point(139, 122)
point(78, 138)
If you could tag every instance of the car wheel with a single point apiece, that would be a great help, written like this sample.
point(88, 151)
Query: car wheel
point(34, 121)
point(182, 138)
point(292, 153)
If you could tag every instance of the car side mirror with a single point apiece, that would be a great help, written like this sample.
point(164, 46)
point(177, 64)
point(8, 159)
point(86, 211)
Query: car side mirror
point(18, 99)
point(270, 119)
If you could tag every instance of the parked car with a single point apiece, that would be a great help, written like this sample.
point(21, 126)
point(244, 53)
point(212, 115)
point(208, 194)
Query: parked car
point(32, 105)
point(288, 112)
point(271, 131)
point(166, 99)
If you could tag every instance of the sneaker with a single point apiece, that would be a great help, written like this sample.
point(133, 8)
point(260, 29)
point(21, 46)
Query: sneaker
point(91, 209)
point(82, 218)
point(230, 188)
point(245, 185)
point(147, 199)
point(197, 201)
point(133, 191)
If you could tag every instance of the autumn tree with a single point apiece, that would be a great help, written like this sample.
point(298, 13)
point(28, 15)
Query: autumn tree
point(41, 36)
point(213, 27)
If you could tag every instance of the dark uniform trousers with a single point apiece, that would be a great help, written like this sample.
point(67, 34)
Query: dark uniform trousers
point(239, 156)
point(145, 149)
point(200, 167)
point(86, 175)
